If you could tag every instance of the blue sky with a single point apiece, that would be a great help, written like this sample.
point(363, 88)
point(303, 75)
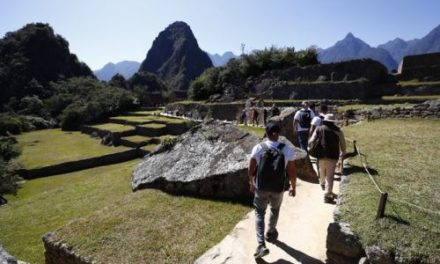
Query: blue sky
point(101, 31)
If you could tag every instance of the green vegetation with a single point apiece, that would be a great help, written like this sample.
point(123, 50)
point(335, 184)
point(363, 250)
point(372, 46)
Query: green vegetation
point(153, 125)
point(371, 106)
point(259, 131)
point(150, 147)
point(148, 119)
point(417, 82)
point(420, 98)
point(137, 138)
point(237, 71)
point(114, 128)
point(149, 112)
point(53, 146)
point(114, 225)
point(31, 58)
point(405, 155)
point(8, 176)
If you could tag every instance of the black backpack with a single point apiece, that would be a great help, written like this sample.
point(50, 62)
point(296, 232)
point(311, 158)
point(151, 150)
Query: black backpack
point(271, 171)
point(305, 118)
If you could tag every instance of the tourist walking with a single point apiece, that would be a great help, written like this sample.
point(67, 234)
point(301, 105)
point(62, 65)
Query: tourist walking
point(274, 111)
point(317, 120)
point(301, 124)
point(333, 145)
point(270, 161)
point(254, 116)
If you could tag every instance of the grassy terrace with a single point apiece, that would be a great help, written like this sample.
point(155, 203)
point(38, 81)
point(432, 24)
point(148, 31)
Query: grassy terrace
point(259, 131)
point(153, 125)
point(405, 155)
point(417, 82)
point(371, 106)
point(146, 119)
point(113, 224)
point(52, 146)
point(420, 98)
point(137, 138)
point(112, 127)
point(152, 112)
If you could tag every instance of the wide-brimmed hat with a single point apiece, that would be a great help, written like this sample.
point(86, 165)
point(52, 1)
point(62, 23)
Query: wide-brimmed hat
point(330, 118)
point(272, 127)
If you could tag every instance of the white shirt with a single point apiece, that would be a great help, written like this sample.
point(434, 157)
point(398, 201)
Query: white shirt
point(296, 117)
point(317, 121)
point(288, 152)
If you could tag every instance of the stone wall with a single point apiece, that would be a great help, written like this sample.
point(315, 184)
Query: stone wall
point(428, 109)
point(425, 67)
point(318, 90)
point(200, 111)
point(80, 164)
point(60, 253)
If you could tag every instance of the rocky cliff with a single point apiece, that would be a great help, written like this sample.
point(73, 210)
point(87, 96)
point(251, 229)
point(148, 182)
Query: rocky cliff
point(176, 57)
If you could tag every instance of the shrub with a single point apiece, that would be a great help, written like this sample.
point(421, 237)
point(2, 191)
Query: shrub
point(8, 169)
point(72, 117)
point(10, 124)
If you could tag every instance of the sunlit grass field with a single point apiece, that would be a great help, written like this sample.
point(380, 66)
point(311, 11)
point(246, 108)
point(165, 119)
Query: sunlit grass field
point(112, 127)
point(405, 155)
point(52, 146)
point(113, 224)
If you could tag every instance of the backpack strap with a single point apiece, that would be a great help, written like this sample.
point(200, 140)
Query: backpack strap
point(281, 146)
point(264, 146)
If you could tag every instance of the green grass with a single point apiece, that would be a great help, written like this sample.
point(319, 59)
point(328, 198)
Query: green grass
point(112, 127)
point(259, 131)
point(133, 118)
point(52, 146)
point(417, 82)
point(150, 112)
point(371, 106)
point(113, 224)
point(153, 125)
point(137, 138)
point(420, 98)
point(405, 155)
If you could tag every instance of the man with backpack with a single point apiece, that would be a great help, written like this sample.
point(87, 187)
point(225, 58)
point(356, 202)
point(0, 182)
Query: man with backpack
point(332, 146)
point(271, 161)
point(317, 120)
point(301, 124)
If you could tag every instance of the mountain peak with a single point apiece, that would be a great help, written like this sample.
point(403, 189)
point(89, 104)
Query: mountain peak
point(350, 36)
point(176, 57)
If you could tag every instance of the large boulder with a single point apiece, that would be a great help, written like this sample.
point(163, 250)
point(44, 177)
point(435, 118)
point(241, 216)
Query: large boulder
point(304, 167)
point(5, 258)
point(210, 160)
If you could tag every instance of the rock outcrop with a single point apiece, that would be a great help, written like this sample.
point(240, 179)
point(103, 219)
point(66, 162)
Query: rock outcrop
point(176, 57)
point(211, 160)
point(5, 258)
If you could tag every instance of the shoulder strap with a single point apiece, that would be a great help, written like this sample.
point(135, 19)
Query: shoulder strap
point(281, 146)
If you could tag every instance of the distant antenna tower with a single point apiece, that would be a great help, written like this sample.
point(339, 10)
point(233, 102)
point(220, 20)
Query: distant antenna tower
point(242, 48)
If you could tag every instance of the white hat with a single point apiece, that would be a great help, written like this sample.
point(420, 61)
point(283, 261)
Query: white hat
point(329, 118)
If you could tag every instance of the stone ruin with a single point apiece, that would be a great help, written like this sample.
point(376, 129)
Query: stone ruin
point(211, 160)
point(425, 67)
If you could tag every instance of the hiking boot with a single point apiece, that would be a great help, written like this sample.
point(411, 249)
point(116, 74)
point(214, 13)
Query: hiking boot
point(328, 199)
point(271, 236)
point(261, 251)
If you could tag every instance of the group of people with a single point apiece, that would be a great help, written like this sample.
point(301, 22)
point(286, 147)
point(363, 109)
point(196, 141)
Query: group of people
point(272, 166)
point(252, 115)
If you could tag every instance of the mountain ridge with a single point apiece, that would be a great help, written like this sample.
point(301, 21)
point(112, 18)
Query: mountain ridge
point(126, 68)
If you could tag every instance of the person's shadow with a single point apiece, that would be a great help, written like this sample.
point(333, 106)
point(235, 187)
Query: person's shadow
point(296, 254)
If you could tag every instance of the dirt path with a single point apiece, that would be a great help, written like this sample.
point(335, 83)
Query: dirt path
point(302, 228)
